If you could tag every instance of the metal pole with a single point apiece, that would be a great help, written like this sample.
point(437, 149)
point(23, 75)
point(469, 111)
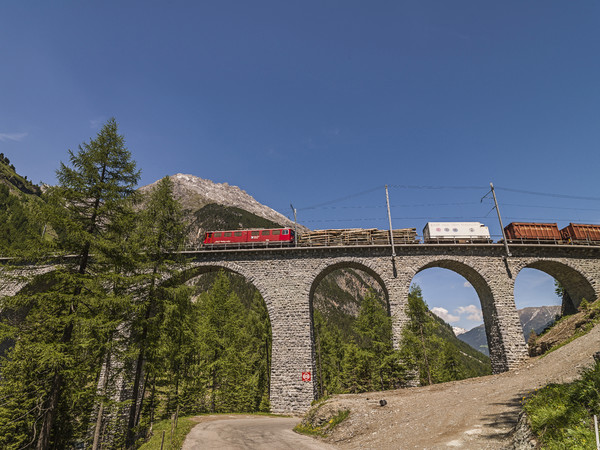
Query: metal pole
point(387, 199)
point(500, 220)
point(596, 431)
point(295, 227)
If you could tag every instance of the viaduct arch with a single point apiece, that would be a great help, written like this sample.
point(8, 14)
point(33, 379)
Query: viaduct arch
point(287, 278)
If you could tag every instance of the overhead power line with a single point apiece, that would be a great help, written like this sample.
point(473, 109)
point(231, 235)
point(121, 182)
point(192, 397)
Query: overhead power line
point(551, 207)
point(409, 186)
point(546, 194)
point(408, 205)
point(341, 199)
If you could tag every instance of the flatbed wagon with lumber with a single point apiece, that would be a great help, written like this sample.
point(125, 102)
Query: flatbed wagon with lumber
point(357, 236)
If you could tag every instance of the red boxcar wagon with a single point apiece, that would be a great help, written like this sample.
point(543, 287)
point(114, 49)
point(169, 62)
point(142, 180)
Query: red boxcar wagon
point(249, 238)
point(580, 233)
point(529, 232)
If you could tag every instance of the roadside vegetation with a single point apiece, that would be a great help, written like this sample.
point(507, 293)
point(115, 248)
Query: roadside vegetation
point(562, 415)
point(168, 437)
point(311, 426)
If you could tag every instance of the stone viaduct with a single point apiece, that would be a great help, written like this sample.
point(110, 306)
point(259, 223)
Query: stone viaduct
point(288, 277)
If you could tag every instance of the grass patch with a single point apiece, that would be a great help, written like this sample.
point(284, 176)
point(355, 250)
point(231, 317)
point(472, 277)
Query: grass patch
point(325, 428)
point(562, 415)
point(184, 425)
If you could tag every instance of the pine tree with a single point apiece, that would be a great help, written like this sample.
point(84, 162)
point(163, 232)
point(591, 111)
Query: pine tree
point(63, 333)
point(374, 328)
point(159, 235)
point(417, 332)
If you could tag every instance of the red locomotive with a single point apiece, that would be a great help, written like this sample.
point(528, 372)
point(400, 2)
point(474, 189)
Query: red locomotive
point(257, 237)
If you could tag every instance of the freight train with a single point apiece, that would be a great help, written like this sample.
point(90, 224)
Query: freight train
point(434, 232)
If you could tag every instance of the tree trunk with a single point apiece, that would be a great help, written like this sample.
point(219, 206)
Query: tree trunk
point(98, 427)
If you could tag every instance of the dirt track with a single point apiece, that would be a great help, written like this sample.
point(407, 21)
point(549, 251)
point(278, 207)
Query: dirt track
point(478, 413)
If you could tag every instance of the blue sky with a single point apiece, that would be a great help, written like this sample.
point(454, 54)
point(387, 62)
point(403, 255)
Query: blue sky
point(309, 102)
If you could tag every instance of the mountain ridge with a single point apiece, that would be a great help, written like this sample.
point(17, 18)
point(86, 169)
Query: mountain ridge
point(532, 318)
point(194, 193)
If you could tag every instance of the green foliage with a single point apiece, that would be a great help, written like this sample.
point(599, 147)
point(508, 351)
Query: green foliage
point(61, 333)
point(429, 345)
point(324, 429)
point(184, 426)
point(9, 177)
point(355, 354)
point(234, 344)
point(220, 217)
point(361, 359)
point(561, 415)
point(108, 310)
point(19, 225)
point(559, 289)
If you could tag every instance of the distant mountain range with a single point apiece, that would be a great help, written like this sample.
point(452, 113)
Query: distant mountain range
point(535, 318)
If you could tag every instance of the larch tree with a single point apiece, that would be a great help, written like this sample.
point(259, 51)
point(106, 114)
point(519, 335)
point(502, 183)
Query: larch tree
point(61, 338)
point(417, 334)
point(160, 234)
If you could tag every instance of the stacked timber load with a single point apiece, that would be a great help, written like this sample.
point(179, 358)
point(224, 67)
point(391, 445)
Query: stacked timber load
point(401, 236)
point(356, 236)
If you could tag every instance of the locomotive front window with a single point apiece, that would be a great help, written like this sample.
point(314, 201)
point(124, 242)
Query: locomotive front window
point(266, 232)
point(238, 233)
point(276, 232)
point(285, 232)
point(255, 233)
point(228, 234)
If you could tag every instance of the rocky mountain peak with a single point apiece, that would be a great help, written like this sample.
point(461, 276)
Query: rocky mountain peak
point(194, 193)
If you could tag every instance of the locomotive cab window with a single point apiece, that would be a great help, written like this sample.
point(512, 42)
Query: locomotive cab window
point(285, 232)
point(276, 232)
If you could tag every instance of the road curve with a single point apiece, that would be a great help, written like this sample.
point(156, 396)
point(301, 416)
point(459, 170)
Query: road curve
point(237, 432)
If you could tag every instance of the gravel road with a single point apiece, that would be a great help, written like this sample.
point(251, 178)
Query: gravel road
point(479, 413)
point(237, 432)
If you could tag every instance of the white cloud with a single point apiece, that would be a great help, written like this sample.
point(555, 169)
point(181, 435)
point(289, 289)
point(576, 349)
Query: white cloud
point(12, 136)
point(467, 284)
point(472, 311)
point(443, 314)
point(96, 123)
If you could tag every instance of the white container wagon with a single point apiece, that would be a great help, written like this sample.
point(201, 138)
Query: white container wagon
point(459, 232)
